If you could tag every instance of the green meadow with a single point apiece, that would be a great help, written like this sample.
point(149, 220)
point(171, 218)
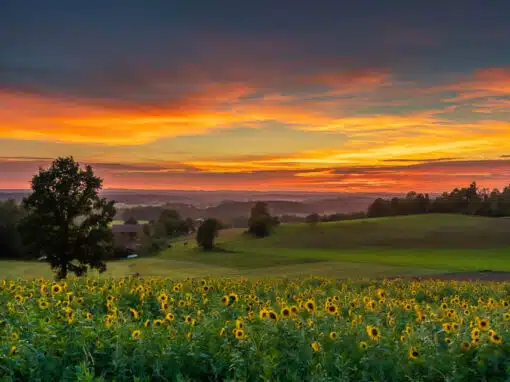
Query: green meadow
point(366, 248)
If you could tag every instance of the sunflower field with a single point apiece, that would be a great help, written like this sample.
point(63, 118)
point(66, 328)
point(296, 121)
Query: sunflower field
point(237, 329)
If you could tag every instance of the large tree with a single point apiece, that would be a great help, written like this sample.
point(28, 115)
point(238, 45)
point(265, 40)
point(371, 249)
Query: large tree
point(261, 222)
point(207, 233)
point(67, 221)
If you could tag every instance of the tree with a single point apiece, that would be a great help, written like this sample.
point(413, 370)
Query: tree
point(171, 224)
point(66, 219)
point(313, 219)
point(207, 233)
point(261, 223)
point(131, 220)
point(10, 239)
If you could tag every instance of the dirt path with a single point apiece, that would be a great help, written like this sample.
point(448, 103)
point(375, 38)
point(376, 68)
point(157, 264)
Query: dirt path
point(468, 276)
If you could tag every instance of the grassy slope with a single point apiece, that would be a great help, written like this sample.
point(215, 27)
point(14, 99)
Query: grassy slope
point(362, 248)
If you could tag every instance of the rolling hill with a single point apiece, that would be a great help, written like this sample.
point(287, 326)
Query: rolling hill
point(366, 248)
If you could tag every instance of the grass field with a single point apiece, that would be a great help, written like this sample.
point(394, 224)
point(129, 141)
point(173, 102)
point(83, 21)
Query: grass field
point(399, 246)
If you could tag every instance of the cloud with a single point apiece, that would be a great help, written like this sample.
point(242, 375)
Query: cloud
point(427, 177)
point(422, 160)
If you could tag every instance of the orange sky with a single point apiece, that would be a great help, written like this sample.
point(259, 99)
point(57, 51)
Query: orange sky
point(215, 138)
point(235, 107)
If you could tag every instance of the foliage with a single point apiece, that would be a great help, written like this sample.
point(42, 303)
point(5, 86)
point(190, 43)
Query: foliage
point(170, 224)
point(261, 223)
point(468, 200)
point(66, 219)
point(344, 216)
point(236, 329)
point(313, 219)
point(131, 220)
point(207, 233)
point(10, 239)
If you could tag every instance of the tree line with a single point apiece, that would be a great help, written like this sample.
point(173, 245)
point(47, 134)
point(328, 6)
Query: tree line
point(471, 200)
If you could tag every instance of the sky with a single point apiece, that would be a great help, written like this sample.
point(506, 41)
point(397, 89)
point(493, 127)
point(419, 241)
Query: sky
point(363, 95)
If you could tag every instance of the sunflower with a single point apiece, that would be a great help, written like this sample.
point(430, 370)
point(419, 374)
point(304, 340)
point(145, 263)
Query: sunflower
point(70, 317)
point(181, 303)
point(108, 321)
point(363, 345)
point(188, 319)
point(310, 305)
point(464, 346)
point(147, 323)
point(14, 336)
point(373, 333)
point(233, 297)
point(162, 298)
point(316, 347)
point(272, 315)
point(491, 332)
point(333, 335)
point(89, 316)
point(483, 323)
point(134, 313)
point(158, 322)
point(294, 309)
point(239, 334)
point(506, 316)
point(239, 324)
point(496, 339)
point(263, 314)
point(402, 338)
point(285, 312)
point(381, 293)
point(43, 304)
point(447, 327)
point(475, 333)
point(332, 309)
point(110, 298)
point(448, 340)
point(56, 288)
point(414, 353)
point(136, 334)
point(408, 330)
point(170, 317)
point(18, 298)
point(407, 307)
point(225, 300)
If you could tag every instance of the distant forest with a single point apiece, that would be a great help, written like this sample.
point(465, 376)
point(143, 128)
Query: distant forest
point(470, 200)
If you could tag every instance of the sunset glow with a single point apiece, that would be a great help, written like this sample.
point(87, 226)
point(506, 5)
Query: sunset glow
point(324, 111)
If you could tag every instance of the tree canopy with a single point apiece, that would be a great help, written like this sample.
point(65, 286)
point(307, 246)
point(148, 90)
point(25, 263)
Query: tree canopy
point(67, 221)
point(261, 223)
point(207, 233)
point(470, 200)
